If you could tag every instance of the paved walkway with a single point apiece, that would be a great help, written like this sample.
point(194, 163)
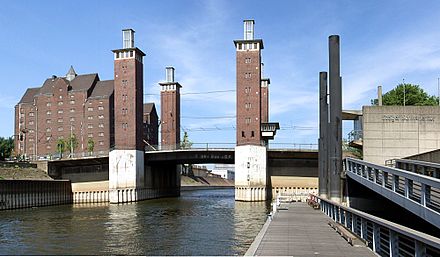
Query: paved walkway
point(303, 231)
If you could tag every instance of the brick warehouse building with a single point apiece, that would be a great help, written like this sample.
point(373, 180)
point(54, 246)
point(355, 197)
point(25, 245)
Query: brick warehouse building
point(80, 105)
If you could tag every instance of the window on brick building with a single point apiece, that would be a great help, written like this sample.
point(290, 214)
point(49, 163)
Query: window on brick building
point(101, 134)
point(72, 119)
point(31, 131)
point(31, 122)
point(242, 134)
point(60, 120)
point(48, 147)
point(60, 103)
point(101, 116)
point(101, 142)
point(124, 126)
point(90, 109)
point(252, 134)
point(90, 126)
point(100, 108)
point(247, 60)
point(124, 82)
point(60, 111)
point(31, 140)
point(60, 129)
point(31, 114)
point(72, 110)
point(247, 121)
point(90, 135)
point(48, 129)
point(72, 101)
point(48, 138)
point(101, 125)
point(90, 117)
point(48, 121)
point(48, 112)
point(61, 97)
point(48, 104)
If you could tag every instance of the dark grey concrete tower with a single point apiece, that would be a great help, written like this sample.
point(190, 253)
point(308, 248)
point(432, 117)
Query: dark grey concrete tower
point(323, 135)
point(335, 110)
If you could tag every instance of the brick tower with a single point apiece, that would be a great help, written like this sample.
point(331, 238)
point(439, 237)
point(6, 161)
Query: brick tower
point(250, 156)
point(127, 159)
point(248, 61)
point(265, 82)
point(170, 111)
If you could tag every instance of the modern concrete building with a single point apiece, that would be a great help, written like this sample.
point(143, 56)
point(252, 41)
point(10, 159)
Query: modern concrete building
point(226, 171)
point(79, 105)
point(390, 132)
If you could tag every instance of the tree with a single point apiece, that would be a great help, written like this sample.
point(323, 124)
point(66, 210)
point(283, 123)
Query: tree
point(61, 147)
point(72, 143)
point(414, 95)
point(185, 143)
point(90, 145)
point(6, 147)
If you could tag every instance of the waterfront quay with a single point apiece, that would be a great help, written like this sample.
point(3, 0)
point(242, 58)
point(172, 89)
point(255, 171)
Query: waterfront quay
point(299, 230)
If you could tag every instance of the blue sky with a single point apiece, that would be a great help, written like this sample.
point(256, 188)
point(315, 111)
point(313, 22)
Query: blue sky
point(382, 42)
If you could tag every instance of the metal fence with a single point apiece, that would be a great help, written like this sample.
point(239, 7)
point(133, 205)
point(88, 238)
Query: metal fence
point(384, 237)
point(207, 146)
point(417, 193)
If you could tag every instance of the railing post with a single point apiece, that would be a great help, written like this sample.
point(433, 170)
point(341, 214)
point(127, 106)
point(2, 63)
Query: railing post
point(374, 173)
point(423, 195)
point(376, 238)
point(363, 228)
point(420, 249)
point(394, 244)
point(408, 188)
point(395, 182)
point(353, 217)
point(345, 218)
point(384, 178)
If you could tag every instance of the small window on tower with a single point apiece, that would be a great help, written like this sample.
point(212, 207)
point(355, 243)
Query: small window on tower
point(252, 134)
point(247, 60)
point(242, 134)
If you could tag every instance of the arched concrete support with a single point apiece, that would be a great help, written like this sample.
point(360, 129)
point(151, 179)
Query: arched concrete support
point(251, 178)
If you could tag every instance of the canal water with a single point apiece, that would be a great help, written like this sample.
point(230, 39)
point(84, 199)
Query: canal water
point(200, 222)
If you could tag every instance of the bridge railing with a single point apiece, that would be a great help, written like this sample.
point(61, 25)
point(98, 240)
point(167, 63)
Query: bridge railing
point(430, 169)
point(410, 190)
point(207, 146)
point(383, 237)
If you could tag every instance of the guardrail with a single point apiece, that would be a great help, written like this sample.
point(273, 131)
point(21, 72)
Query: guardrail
point(383, 237)
point(208, 146)
point(417, 193)
point(426, 168)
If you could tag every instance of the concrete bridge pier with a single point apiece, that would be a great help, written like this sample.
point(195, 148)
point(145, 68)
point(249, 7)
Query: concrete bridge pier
point(162, 180)
point(126, 175)
point(251, 178)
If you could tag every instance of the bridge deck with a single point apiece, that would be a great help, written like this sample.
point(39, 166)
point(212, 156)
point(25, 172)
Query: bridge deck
point(303, 231)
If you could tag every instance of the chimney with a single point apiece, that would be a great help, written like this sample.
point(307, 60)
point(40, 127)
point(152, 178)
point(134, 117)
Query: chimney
point(249, 29)
point(379, 95)
point(128, 38)
point(169, 74)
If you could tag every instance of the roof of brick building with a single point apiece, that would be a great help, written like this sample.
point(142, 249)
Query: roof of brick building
point(103, 89)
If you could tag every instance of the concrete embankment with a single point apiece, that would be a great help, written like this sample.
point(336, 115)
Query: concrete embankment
point(15, 194)
point(204, 183)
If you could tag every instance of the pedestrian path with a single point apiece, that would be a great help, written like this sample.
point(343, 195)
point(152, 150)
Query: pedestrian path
point(299, 230)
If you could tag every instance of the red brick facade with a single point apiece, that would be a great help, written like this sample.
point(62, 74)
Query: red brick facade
point(265, 100)
point(170, 115)
point(248, 79)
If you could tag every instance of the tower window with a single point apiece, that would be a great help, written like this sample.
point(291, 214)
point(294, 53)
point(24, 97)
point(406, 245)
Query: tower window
point(247, 121)
point(247, 60)
point(252, 134)
point(242, 134)
point(90, 109)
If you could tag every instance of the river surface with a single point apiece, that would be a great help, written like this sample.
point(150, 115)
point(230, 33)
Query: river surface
point(200, 222)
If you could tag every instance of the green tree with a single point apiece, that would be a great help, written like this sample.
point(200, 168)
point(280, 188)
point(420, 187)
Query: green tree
point(61, 147)
point(414, 95)
point(90, 145)
point(6, 147)
point(185, 143)
point(72, 143)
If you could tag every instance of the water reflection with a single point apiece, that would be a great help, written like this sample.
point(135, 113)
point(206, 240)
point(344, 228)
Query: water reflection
point(203, 222)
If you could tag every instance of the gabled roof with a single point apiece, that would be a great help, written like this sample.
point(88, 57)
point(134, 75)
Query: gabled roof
point(149, 108)
point(83, 82)
point(49, 84)
point(28, 96)
point(103, 89)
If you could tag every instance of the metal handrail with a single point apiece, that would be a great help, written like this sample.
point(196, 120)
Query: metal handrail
point(419, 194)
point(383, 237)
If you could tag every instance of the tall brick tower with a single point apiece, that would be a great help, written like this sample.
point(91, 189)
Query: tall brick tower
point(248, 61)
point(251, 178)
point(127, 159)
point(170, 111)
point(265, 82)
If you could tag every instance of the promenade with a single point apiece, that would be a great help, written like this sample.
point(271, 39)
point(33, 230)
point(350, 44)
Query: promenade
point(299, 230)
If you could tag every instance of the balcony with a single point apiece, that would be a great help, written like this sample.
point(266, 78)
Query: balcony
point(269, 130)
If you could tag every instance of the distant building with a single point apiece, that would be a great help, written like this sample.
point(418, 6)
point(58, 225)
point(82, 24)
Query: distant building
point(389, 132)
point(226, 171)
point(80, 105)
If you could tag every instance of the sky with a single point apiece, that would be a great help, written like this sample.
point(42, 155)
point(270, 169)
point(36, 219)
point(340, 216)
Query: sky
point(382, 43)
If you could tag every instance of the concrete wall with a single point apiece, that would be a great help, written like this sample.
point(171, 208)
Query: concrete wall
point(396, 131)
point(15, 194)
point(431, 156)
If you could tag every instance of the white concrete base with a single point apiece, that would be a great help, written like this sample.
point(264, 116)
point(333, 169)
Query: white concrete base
point(126, 174)
point(251, 173)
